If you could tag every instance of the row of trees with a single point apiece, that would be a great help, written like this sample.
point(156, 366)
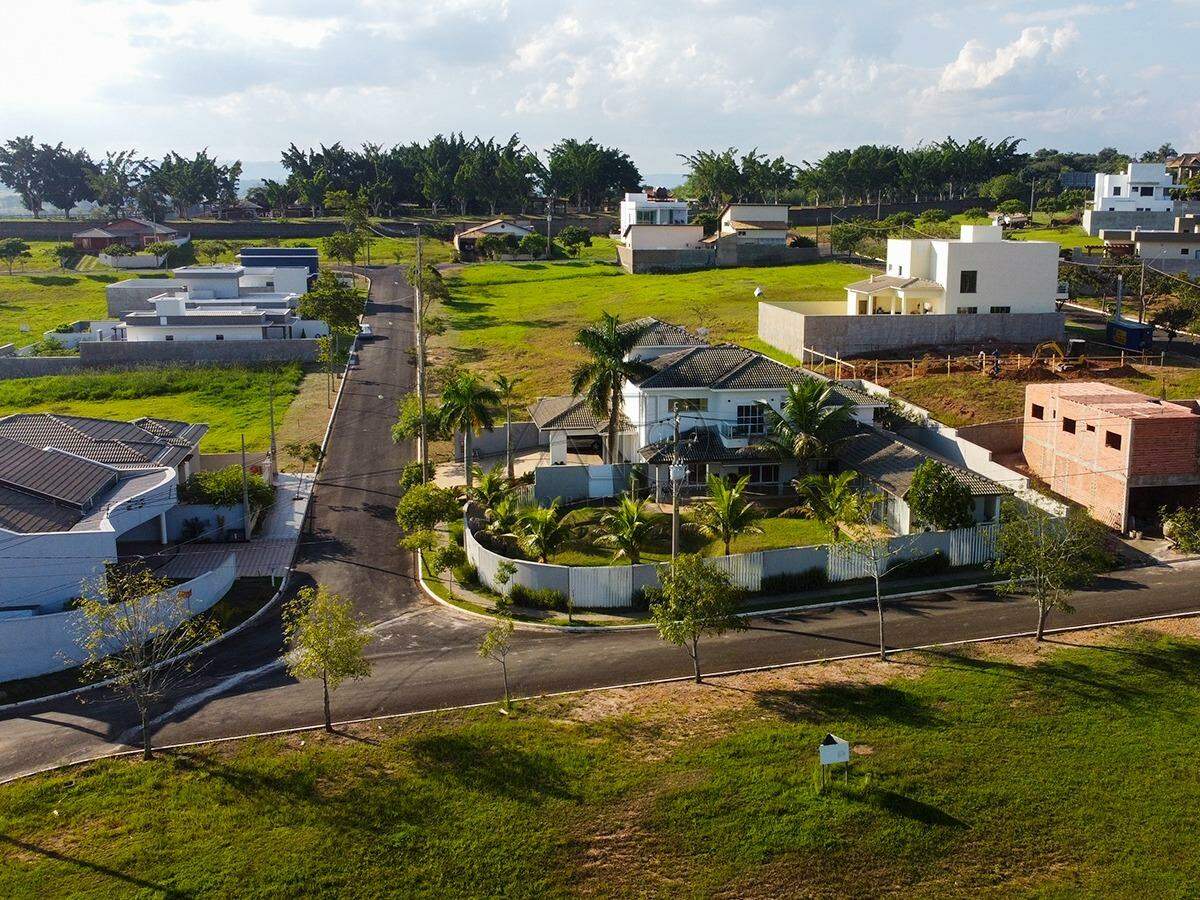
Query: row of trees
point(53, 175)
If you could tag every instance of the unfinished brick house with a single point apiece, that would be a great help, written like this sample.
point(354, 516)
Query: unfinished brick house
point(1121, 454)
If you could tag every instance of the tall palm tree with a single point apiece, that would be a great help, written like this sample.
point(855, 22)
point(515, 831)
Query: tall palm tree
point(509, 391)
point(603, 375)
point(809, 423)
point(833, 501)
point(543, 530)
point(727, 513)
point(627, 527)
point(468, 402)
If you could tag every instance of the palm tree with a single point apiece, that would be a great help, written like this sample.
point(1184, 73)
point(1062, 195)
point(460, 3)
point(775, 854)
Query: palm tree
point(727, 513)
point(627, 527)
point(543, 530)
point(505, 517)
point(468, 402)
point(493, 487)
point(833, 501)
point(809, 423)
point(508, 390)
point(604, 375)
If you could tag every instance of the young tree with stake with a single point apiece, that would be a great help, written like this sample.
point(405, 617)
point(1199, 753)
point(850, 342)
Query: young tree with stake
point(696, 599)
point(496, 645)
point(325, 640)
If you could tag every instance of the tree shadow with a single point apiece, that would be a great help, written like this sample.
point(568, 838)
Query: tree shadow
point(103, 279)
point(871, 704)
point(501, 769)
point(94, 867)
point(53, 280)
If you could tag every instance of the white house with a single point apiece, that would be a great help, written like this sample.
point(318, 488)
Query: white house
point(226, 281)
point(642, 209)
point(1142, 187)
point(754, 223)
point(980, 272)
point(178, 317)
point(466, 240)
point(663, 237)
point(73, 490)
point(1160, 246)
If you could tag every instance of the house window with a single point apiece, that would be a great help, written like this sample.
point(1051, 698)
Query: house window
point(759, 474)
point(1116, 191)
point(169, 337)
point(688, 404)
point(968, 280)
point(1068, 425)
point(1090, 427)
point(1147, 192)
point(220, 337)
point(1183, 251)
point(968, 310)
point(1038, 411)
point(1112, 439)
point(1002, 309)
point(750, 420)
point(899, 270)
point(645, 217)
point(697, 473)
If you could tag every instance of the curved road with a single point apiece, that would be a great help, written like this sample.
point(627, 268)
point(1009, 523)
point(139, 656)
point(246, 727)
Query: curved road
point(424, 654)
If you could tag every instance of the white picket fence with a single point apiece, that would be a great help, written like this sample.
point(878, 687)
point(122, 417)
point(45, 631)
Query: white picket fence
point(613, 587)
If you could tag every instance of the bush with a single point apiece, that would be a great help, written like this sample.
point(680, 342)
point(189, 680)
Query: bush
point(709, 221)
point(899, 220)
point(455, 529)
point(1010, 207)
point(533, 244)
point(976, 212)
point(1004, 187)
point(223, 487)
point(937, 498)
point(537, 598)
point(800, 240)
point(63, 328)
point(1182, 528)
point(795, 582)
point(448, 556)
point(936, 214)
point(935, 563)
point(424, 506)
point(410, 476)
point(442, 231)
point(466, 574)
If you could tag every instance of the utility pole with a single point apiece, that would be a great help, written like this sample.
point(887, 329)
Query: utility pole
point(1142, 292)
point(549, 208)
point(271, 409)
point(676, 465)
point(245, 494)
point(419, 310)
point(1031, 189)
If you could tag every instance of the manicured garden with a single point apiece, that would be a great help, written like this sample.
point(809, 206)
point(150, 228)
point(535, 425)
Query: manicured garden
point(996, 770)
point(232, 400)
point(521, 318)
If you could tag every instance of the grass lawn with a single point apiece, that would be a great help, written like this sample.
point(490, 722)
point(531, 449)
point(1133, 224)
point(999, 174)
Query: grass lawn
point(777, 532)
point(232, 401)
point(384, 250)
point(1067, 236)
point(521, 318)
point(968, 398)
point(996, 771)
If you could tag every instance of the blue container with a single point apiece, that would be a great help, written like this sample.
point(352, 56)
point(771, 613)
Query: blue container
point(1133, 336)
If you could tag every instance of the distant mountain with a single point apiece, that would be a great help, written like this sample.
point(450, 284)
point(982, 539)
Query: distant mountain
point(667, 180)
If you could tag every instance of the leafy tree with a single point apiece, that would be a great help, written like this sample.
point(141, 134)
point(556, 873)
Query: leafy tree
point(223, 487)
point(118, 250)
point(495, 645)
point(832, 500)
point(1172, 317)
point(468, 402)
point(809, 423)
point(508, 393)
point(307, 452)
point(12, 249)
point(164, 249)
point(696, 599)
point(200, 179)
point(1004, 187)
point(344, 245)
point(544, 529)
point(1011, 207)
point(336, 304)
point(603, 376)
point(21, 170)
point(492, 487)
point(1047, 559)
point(589, 172)
point(325, 640)
point(66, 176)
point(116, 179)
point(714, 176)
point(211, 250)
point(627, 527)
point(408, 421)
point(65, 254)
point(137, 631)
point(845, 237)
point(425, 506)
point(1181, 527)
point(533, 244)
point(726, 512)
point(575, 238)
point(494, 246)
point(939, 499)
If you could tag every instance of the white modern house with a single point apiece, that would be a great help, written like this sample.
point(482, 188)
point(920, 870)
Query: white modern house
point(1141, 196)
point(1176, 249)
point(225, 281)
point(754, 223)
point(73, 490)
point(642, 209)
point(979, 272)
point(179, 317)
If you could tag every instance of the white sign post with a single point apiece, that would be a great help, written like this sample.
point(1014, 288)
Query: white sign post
point(831, 751)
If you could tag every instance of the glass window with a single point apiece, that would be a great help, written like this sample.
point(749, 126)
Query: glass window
point(1001, 309)
point(688, 404)
point(750, 420)
point(968, 281)
point(968, 310)
point(1116, 191)
point(759, 474)
point(220, 337)
point(645, 217)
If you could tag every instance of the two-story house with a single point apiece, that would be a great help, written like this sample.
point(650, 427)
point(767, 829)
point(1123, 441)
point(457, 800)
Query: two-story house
point(1141, 196)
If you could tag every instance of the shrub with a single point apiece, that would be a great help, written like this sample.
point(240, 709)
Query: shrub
point(709, 221)
point(63, 328)
point(899, 220)
point(538, 598)
point(795, 582)
point(466, 574)
point(976, 212)
point(443, 231)
point(455, 529)
point(934, 564)
point(1182, 528)
point(410, 476)
point(425, 506)
point(939, 499)
point(1011, 206)
point(223, 487)
point(801, 240)
point(936, 214)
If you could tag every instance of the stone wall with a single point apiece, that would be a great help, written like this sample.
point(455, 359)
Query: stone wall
point(820, 215)
point(787, 327)
point(116, 354)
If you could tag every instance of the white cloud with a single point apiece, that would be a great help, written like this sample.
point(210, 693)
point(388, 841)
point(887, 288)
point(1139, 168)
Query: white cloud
point(976, 67)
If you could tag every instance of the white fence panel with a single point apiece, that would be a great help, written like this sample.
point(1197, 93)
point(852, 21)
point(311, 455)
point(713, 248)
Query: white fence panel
point(745, 569)
point(845, 564)
point(601, 587)
point(973, 546)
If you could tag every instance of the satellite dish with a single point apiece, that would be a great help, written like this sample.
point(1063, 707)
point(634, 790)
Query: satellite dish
point(758, 292)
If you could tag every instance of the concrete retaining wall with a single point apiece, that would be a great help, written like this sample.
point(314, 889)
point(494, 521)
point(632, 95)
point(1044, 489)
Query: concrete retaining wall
point(568, 483)
point(726, 254)
point(491, 443)
point(36, 645)
point(820, 215)
point(123, 353)
point(37, 366)
point(131, 295)
point(790, 327)
point(1096, 220)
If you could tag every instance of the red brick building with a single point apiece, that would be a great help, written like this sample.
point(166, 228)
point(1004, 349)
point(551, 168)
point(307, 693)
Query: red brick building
point(1121, 454)
point(136, 234)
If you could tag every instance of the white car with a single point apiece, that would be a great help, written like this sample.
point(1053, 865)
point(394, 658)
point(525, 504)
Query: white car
point(366, 332)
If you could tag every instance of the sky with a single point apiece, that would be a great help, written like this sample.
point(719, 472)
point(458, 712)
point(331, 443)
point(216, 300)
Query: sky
point(245, 77)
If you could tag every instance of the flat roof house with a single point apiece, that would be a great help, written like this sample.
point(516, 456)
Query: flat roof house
point(1176, 249)
point(640, 208)
point(134, 233)
point(1143, 195)
point(1121, 454)
point(282, 275)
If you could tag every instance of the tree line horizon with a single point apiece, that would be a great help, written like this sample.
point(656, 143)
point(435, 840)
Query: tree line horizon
point(454, 173)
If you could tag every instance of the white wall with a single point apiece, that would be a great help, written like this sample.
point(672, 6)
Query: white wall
point(144, 333)
point(666, 212)
point(1022, 275)
point(654, 421)
point(1154, 176)
point(283, 279)
point(661, 237)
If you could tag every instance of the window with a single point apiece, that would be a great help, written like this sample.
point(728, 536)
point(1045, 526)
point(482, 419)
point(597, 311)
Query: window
point(169, 337)
point(1117, 191)
point(968, 310)
point(899, 270)
point(697, 473)
point(645, 217)
point(759, 474)
point(1038, 411)
point(1112, 439)
point(688, 404)
point(1002, 309)
point(220, 337)
point(968, 281)
point(1147, 192)
point(1068, 425)
point(1183, 251)
point(750, 420)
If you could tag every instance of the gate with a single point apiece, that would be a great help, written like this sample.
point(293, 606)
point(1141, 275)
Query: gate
point(601, 587)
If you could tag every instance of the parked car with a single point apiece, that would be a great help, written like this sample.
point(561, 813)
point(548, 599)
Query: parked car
point(366, 332)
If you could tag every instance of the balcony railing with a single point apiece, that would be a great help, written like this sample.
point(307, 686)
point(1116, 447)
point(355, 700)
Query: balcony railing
point(741, 431)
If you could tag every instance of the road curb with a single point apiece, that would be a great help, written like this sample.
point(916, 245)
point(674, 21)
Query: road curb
point(727, 673)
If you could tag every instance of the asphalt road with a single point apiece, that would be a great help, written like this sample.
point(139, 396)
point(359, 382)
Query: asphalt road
point(424, 654)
